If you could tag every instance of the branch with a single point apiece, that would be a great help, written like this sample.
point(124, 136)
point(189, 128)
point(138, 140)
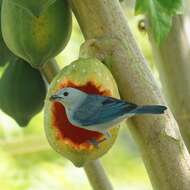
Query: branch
point(97, 176)
point(173, 64)
point(173, 57)
point(49, 70)
point(95, 172)
point(165, 155)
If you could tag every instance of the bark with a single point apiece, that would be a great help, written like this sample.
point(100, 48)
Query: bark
point(164, 152)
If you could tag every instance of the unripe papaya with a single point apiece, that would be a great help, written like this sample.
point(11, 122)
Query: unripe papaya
point(91, 76)
point(36, 38)
point(22, 91)
point(5, 54)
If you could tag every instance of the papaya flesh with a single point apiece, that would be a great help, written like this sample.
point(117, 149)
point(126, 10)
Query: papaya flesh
point(22, 91)
point(91, 76)
point(36, 39)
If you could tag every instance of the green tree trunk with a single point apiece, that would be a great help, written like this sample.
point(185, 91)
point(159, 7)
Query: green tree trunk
point(173, 62)
point(164, 152)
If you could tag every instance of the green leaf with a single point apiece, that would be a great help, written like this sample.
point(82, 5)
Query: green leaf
point(35, 7)
point(172, 6)
point(159, 14)
point(141, 6)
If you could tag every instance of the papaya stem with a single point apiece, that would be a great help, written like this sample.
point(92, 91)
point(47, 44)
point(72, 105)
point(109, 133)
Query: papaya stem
point(164, 152)
point(97, 176)
point(49, 70)
point(94, 170)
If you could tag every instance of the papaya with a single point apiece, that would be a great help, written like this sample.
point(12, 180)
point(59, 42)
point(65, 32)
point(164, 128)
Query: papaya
point(5, 54)
point(91, 76)
point(22, 91)
point(36, 38)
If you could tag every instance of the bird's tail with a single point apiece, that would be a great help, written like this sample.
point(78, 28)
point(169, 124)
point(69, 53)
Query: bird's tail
point(150, 109)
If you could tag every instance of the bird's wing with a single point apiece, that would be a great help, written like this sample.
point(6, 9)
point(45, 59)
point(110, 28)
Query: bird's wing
point(101, 109)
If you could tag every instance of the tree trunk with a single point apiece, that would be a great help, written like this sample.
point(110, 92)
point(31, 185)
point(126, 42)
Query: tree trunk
point(173, 62)
point(165, 155)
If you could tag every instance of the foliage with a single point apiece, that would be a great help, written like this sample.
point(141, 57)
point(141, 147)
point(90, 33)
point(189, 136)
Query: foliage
point(159, 13)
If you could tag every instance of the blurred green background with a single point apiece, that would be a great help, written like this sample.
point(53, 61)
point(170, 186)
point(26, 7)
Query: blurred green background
point(27, 162)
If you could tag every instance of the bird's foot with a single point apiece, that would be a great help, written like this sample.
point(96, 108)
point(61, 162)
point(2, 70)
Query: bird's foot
point(95, 142)
point(107, 134)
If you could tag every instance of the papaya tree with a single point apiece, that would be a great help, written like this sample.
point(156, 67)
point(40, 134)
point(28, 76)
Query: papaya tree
point(110, 63)
point(172, 57)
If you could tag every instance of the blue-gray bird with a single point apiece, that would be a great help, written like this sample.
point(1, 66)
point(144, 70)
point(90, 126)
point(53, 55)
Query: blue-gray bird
point(99, 113)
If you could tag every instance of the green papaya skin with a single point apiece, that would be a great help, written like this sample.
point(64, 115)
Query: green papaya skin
point(5, 54)
point(91, 76)
point(22, 91)
point(36, 39)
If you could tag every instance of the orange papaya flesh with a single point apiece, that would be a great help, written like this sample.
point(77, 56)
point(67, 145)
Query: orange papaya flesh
point(67, 139)
point(69, 132)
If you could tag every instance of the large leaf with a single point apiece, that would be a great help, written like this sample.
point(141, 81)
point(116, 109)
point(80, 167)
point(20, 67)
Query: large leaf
point(35, 7)
point(159, 13)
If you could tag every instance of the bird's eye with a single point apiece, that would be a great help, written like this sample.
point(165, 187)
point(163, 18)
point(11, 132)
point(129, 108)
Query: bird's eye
point(65, 93)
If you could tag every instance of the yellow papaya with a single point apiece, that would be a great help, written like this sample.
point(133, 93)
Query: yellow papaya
point(22, 91)
point(91, 76)
point(36, 38)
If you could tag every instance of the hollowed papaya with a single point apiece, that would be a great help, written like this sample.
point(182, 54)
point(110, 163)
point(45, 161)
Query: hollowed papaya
point(91, 76)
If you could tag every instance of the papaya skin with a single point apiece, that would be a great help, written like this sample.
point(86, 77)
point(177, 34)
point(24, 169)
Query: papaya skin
point(22, 91)
point(36, 39)
point(91, 76)
point(6, 54)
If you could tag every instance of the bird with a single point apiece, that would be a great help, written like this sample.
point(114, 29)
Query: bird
point(99, 113)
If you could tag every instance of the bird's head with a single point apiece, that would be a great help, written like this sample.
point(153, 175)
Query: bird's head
point(68, 96)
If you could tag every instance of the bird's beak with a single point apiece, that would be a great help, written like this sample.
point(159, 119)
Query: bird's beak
point(54, 97)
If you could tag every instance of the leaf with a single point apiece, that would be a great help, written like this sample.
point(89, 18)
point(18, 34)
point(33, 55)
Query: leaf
point(35, 7)
point(172, 6)
point(141, 6)
point(159, 14)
